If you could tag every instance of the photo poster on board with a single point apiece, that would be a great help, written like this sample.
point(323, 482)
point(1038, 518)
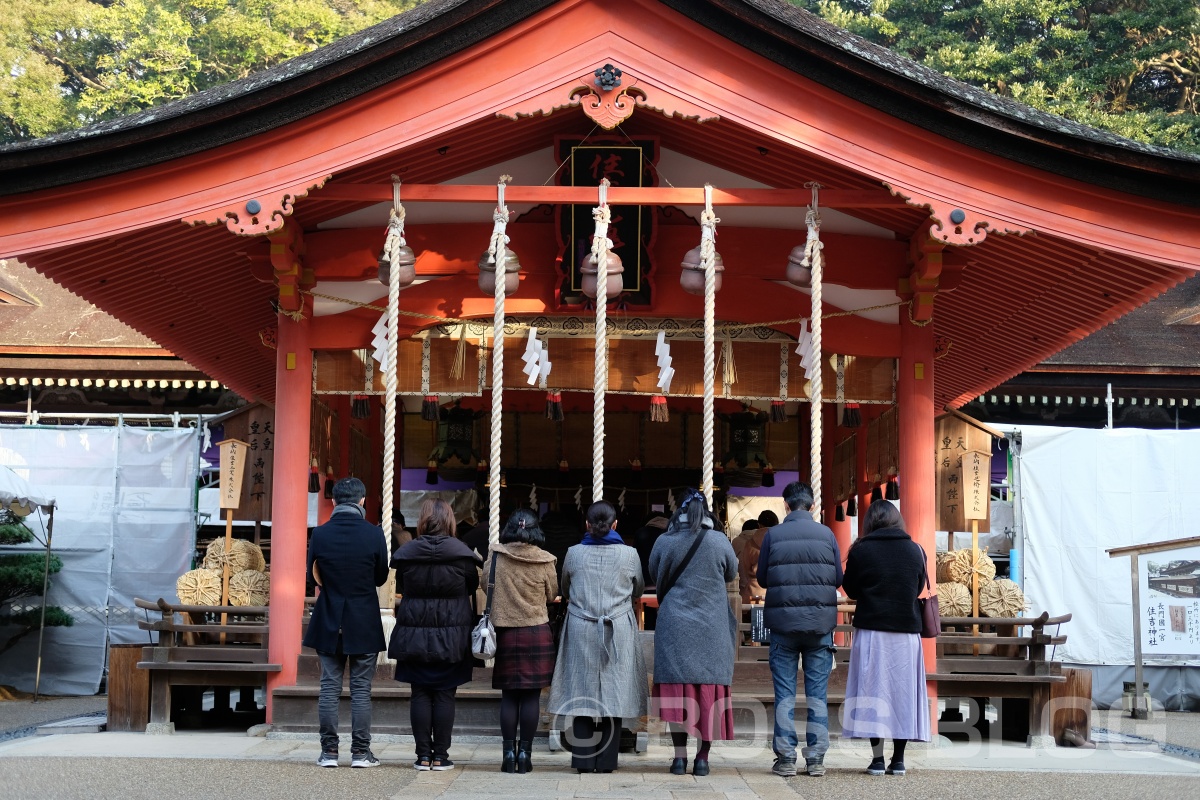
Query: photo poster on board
point(1170, 600)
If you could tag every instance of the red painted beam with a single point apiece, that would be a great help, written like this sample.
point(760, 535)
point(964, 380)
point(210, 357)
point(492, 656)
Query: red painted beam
point(617, 195)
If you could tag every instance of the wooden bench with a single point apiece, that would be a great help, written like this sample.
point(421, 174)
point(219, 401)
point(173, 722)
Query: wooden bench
point(978, 663)
point(198, 650)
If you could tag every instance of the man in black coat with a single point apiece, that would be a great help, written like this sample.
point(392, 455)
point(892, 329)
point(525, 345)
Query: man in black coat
point(800, 567)
point(347, 557)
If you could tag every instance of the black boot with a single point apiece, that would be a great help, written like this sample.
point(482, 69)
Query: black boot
point(523, 762)
point(510, 756)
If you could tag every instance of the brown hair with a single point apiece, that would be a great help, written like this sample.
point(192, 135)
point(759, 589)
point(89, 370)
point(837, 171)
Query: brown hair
point(437, 519)
point(881, 514)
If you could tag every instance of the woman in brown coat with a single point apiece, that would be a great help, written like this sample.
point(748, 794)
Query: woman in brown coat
point(525, 583)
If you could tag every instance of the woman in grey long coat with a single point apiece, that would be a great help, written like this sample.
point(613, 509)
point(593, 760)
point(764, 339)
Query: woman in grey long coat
point(600, 676)
point(695, 633)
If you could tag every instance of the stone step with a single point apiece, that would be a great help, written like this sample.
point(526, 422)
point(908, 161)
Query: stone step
point(477, 708)
point(308, 670)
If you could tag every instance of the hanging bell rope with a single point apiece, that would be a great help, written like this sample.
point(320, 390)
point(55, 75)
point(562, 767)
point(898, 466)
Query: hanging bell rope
point(815, 260)
point(708, 254)
point(600, 247)
point(391, 248)
point(497, 255)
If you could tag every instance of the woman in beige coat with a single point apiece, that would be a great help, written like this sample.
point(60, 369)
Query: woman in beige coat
point(525, 583)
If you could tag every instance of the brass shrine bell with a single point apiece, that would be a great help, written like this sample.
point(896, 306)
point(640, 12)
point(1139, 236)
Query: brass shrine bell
point(487, 273)
point(797, 273)
point(406, 267)
point(691, 278)
point(588, 272)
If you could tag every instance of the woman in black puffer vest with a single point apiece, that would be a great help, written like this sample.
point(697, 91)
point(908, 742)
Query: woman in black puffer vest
point(436, 575)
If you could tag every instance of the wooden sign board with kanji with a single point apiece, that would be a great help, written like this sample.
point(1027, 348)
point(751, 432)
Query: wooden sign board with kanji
point(957, 435)
point(256, 427)
point(233, 466)
point(976, 484)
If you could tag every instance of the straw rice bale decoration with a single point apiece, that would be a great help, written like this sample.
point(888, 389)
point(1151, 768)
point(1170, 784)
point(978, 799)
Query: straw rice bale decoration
point(242, 555)
point(958, 568)
point(1001, 598)
point(250, 588)
point(954, 600)
point(200, 587)
point(941, 562)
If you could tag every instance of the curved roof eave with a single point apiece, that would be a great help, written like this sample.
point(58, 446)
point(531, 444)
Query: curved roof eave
point(785, 34)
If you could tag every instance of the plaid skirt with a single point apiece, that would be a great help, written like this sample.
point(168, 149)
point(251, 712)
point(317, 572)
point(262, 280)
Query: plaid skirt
point(524, 658)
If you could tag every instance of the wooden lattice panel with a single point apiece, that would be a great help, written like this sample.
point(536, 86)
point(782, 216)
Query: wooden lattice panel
point(442, 352)
point(783, 442)
point(622, 442)
point(865, 378)
point(362, 465)
point(418, 438)
point(663, 443)
point(537, 441)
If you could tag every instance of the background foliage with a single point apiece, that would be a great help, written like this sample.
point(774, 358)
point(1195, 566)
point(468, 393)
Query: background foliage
point(68, 63)
point(1129, 66)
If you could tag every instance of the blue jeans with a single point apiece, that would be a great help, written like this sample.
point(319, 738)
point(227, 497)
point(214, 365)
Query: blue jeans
point(787, 650)
point(362, 670)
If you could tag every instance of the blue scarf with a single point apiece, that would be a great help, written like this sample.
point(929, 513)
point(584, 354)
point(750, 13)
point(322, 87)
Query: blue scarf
point(612, 537)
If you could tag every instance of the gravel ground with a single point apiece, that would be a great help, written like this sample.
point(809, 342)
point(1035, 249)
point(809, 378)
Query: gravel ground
point(21, 717)
point(177, 779)
point(1178, 728)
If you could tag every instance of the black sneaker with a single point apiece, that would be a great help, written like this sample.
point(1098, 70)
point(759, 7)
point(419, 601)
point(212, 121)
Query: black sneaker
point(815, 767)
point(422, 764)
point(784, 767)
point(875, 767)
point(442, 764)
point(362, 760)
point(328, 758)
point(896, 768)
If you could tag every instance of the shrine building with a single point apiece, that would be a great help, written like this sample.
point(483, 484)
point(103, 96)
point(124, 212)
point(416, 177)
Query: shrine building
point(954, 238)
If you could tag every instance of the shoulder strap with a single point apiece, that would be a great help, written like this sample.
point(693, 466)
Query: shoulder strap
point(925, 574)
point(661, 591)
point(487, 612)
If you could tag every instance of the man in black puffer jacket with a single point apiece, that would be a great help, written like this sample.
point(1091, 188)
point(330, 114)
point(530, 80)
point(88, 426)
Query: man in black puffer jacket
point(800, 567)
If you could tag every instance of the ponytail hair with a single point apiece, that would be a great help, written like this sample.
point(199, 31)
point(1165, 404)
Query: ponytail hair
point(695, 508)
point(600, 518)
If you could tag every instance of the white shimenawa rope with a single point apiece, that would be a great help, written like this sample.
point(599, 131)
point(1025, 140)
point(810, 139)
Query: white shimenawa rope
point(600, 246)
point(708, 255)
point(497, 255)
point(814, 259)
point(391, 249)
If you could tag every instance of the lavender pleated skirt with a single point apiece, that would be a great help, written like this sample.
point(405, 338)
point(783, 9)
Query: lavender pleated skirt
point(885, 688)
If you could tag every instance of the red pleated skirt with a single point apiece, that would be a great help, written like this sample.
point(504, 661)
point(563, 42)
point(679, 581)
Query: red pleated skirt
point(704, 709)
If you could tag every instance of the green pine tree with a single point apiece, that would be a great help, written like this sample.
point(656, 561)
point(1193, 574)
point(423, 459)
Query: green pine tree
point(21, 578)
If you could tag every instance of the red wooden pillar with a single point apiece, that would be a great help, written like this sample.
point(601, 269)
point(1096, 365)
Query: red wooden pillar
point(914, 395)
point(860, 474)
point(289, 503)
point(841, 530)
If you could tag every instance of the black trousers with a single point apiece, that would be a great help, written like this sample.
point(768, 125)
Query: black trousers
point(431, 715)
point(595, 743)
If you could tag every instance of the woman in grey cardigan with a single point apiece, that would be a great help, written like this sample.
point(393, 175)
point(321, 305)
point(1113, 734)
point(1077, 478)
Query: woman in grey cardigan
point(600, 676)
point(695, 633)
